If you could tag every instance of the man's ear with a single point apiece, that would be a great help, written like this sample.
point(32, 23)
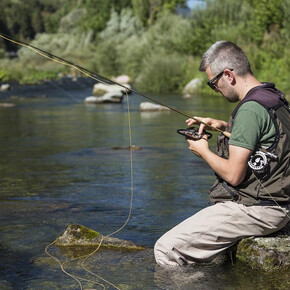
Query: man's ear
point(230, 76)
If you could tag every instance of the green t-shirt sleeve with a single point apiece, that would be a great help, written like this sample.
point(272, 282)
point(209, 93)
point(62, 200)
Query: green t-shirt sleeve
point(252, 127)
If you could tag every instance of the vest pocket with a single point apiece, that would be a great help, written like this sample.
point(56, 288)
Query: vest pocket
point(221, 191)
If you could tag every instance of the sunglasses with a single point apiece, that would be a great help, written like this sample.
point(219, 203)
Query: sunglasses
point(211, 83)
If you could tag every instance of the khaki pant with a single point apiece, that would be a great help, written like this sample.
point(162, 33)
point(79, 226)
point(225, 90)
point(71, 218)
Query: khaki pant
point(216, 228)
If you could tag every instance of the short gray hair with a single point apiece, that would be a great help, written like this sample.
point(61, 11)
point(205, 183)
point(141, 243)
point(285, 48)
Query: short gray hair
point(225, 54)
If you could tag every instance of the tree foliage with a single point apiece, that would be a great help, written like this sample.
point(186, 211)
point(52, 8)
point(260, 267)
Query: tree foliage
point(149, 10)
point(133, 36)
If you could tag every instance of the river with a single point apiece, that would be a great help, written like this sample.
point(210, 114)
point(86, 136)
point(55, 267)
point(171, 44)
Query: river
point(58, 166)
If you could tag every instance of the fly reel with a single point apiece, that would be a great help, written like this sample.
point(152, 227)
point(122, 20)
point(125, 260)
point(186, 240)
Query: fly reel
point(259, 161)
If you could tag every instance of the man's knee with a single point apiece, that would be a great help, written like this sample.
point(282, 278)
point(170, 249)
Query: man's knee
point(165, 255)
point(160, 252)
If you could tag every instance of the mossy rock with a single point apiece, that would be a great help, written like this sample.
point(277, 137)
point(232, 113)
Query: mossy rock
point(79, 235)
point(267, 253)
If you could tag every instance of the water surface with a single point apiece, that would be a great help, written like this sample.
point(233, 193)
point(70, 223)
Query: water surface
point(58, 167)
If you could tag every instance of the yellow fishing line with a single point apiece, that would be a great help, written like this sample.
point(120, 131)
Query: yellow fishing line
point(86, 257)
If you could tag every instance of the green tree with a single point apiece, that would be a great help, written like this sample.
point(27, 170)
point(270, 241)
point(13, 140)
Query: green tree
point(268, 16)
point(148, 10)
point(98, 13)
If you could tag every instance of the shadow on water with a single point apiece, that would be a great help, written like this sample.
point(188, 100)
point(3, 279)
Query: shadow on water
point(58, 166)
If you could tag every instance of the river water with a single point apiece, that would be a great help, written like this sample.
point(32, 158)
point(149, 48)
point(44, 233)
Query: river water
point(59, 165)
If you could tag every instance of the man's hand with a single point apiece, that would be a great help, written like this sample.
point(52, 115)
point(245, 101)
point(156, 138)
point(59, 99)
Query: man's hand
point(198, 147)
point(219, 124)
point(233, 169)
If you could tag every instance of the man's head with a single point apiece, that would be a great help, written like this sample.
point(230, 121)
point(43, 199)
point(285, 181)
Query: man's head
point(224, 62)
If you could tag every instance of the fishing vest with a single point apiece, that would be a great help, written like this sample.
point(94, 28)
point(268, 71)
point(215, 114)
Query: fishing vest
point(273, 182)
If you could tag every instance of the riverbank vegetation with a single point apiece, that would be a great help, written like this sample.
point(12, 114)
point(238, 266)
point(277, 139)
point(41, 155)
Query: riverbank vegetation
point(157, 47)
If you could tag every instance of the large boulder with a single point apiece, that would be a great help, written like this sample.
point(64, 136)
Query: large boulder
point(267, 253)
point(150, 107)
point(101, 89)
point(81, 236)
point(110, 97)
point(191, 89)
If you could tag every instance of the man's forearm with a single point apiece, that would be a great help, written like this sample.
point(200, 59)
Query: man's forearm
point(232, 170)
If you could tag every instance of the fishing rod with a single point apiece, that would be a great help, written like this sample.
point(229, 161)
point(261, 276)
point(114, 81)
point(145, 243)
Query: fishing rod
point(102, 79)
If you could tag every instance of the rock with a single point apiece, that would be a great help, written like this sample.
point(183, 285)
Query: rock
point(149, 107)
point(191, 89)
point(78, 235)
point(133, 148)
point(6, 105)
point(4, 87)
point(123, 79)
point(267, 253)
point(110, 97)
point(100, 89)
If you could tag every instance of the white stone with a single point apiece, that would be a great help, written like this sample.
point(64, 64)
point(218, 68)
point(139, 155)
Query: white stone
point(123, 79)
point(148, 106)
point(6, 105)
point(191, 89)
point(110, 97)
point(4, 87)
point(100, 88)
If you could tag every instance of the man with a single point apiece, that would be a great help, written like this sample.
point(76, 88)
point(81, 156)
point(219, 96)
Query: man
point(251, 195)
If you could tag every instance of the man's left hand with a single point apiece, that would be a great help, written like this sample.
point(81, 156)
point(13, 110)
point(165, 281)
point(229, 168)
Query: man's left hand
point(198, 147)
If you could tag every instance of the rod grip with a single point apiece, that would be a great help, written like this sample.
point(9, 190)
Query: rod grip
point(227, 134)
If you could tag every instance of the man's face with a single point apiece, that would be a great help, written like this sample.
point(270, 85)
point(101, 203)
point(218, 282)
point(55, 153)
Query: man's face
point(223, 86)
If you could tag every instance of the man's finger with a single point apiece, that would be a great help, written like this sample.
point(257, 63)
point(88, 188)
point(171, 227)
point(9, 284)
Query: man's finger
point(201, 128)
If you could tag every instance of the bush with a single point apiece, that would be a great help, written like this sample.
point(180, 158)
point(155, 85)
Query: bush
point(76, 48)
point(163, 72)
point(117, 51)
point(14, 70)
point(170, 32)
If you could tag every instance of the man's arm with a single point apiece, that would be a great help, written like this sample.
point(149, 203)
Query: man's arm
point(232, 170)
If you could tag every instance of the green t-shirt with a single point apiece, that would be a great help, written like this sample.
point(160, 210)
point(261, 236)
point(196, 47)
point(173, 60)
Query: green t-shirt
point(252, 126)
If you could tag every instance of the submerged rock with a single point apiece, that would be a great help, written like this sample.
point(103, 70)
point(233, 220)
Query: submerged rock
point(133, 148)
point(78, 235)
point(267, 253)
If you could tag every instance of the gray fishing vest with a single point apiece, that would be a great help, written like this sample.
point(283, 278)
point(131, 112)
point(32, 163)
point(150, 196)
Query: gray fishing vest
point(274, 181)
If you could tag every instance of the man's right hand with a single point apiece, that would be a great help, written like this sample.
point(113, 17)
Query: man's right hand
point(219, 124)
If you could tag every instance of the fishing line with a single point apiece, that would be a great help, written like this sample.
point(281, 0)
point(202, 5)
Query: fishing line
point(76, 278)
point(86, 257)
point(106, 82)
point(101, 79)
point(66, 93)
point(131, 197)
point(261, 184)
